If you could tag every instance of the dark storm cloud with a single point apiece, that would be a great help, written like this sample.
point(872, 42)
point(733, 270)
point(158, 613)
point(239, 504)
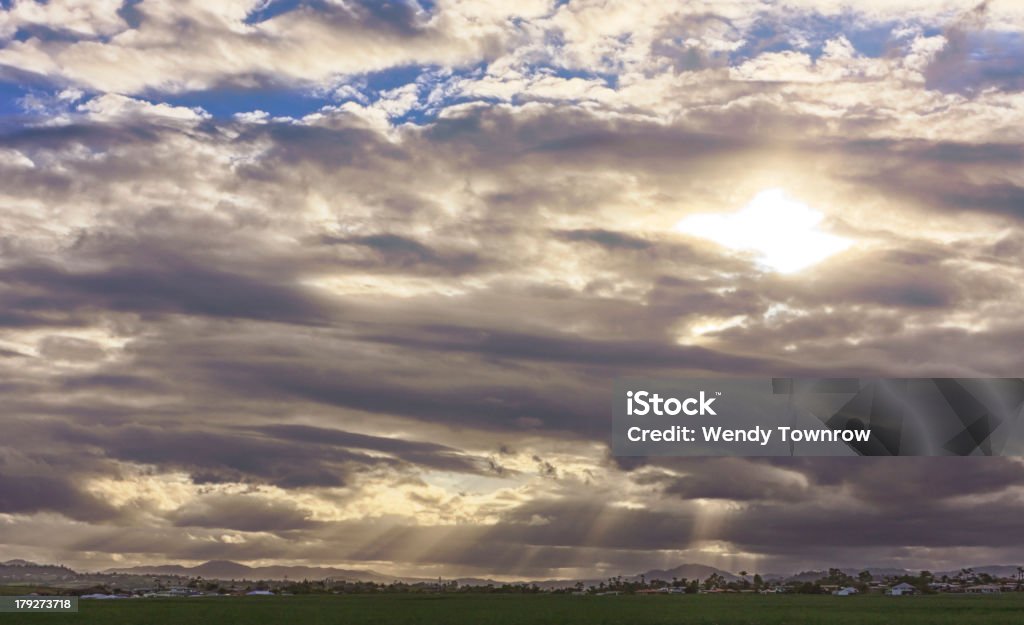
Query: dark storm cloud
point(892, 283)
point(402, 254)
point(212, 456)
point(114, 382)
point(496, 137)
point(490, 407)
point(320, 147)
point(1004, 198)
point(605, 238)
point(98, 137)
point(26, 494)
point(289, 456)
point(672, 296)
point(956, 477)
point(285, 456)
point(778, 530)
point(568, 349)
point(942, 176)
point(178, 286)
point(951, 189)
point(865, 479)
point(431, 455)
point(949, 152)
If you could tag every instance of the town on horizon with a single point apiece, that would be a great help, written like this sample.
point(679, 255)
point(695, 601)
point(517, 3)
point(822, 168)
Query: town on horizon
point(223, 577)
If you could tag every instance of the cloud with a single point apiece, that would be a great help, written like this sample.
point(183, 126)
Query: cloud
point(26, 494)
point(376, 324)
point(245, 513)
point(405, 254)
point(314, 43)
point(77, 18)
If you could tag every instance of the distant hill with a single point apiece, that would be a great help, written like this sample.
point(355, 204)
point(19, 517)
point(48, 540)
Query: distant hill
point(690, 571)
point(995, 570)
point(227, 570)
point(880, 572)
point(877, 572)
point(23, 571)
point(480, 581)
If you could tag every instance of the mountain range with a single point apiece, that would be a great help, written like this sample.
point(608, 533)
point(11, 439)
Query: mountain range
point(228, 570)
point(24, 571)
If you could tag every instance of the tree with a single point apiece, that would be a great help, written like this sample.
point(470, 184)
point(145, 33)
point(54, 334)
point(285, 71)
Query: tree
point(808, 588)
point(758, 581)
point(837, 577)
point(714, 581)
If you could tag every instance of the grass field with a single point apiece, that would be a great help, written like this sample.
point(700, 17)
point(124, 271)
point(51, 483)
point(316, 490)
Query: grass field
point(543, 609)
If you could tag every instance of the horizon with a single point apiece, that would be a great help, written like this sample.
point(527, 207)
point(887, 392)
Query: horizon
point(298, 281)
point(604, 575)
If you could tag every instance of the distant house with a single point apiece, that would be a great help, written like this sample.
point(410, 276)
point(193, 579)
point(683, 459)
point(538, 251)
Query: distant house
point(901, 590)
point(983, 589)
point(846, 592)
point(259, 593)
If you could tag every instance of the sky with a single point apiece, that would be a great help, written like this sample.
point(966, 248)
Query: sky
point(348, 283)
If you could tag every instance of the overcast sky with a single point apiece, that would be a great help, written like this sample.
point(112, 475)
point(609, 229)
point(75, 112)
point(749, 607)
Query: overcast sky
point(347, 283)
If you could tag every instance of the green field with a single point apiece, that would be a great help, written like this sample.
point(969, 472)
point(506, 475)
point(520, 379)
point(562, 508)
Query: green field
point(553, 609)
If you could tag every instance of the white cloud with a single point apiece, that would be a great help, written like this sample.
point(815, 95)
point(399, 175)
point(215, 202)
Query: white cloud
point(112, 107)
point(85, 18)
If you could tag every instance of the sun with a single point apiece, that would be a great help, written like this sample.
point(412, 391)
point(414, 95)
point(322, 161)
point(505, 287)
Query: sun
point(782, 233)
